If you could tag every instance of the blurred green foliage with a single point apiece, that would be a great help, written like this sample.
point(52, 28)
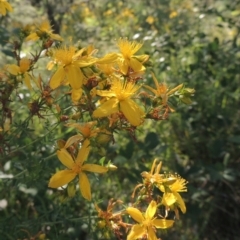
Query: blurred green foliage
point(189, 41)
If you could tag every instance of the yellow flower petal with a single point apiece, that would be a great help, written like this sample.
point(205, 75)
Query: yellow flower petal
point(84, 186)
point(74, 76)
point(128, 48)
point(175, 89)
point(135, 214)
point(179, 185)
point(132, 112)
point(151, 89)
point(65, 158)
point(180, 202)
point(58, 78)
point(136, 232)
point(76, 94)
point(162, 223)
point(85, 62)
point(151, 210)
point(50, 65)
point(108, 58)
point(123, 65)
point(27, 81)
point(151, 234)
point(24, 65)
point(169, 199)
point(83, 152)
point(136, 65)
point(61, 178)
point(105, 93)
point(94, 168)
point(56, 37)
point(155, 80)
point(107, 108)
point(13, 69)
point(7, 6)
point(32, 37)
point(72, 140)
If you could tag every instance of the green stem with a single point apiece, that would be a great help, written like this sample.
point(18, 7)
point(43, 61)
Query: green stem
point(52, 155)
point(71, 219)
point(21, 173)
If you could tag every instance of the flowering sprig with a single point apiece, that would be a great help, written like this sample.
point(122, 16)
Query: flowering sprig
point(166, 201)
point(106, 98)
point(76, 168)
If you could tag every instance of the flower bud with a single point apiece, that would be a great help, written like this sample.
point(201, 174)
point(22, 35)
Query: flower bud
point(101, 224)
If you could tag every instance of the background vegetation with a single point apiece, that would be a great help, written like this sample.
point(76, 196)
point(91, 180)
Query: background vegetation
point(189, 41)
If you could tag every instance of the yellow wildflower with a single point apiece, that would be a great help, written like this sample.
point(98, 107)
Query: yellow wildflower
point(119, 99)
point(76, 168)
point(173, 14)
point(162, 90)
point(69, 62)
point(22, 69)
point(156, 177)
point(127, 59)
point(150, 20)
point(147, 223)
point(4, 7)
point(87, 131)
point(44, 30)
point(171, 195)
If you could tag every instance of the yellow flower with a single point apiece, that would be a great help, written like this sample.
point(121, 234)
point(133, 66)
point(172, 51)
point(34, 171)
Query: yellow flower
point(127, 59)
point(119, 99)
point(44, 30)
point(162, 90)
point(147, 222)
point(173, 14)
point(69, 62)
point(171, 195)
point(22, 69)
point(150, 19)
point(156, 177)
point(87, 130)
point(4, 7)
point(76, 168)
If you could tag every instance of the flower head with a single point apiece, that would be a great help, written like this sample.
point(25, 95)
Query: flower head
point(76, 168)
point(22, 69)
point(87, 131)
point(119, 99)
point(171, 194)
point(155, 177)
point(69, 61)
point(4, 7)
point(147, 222)
point(44, 30)
point(127, 59)
point(162, 90)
